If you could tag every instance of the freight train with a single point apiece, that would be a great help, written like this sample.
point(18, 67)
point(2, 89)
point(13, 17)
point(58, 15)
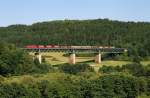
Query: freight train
point(61, 46)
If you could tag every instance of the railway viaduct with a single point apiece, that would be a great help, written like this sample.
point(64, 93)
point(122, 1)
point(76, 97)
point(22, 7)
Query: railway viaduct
point(73, 51)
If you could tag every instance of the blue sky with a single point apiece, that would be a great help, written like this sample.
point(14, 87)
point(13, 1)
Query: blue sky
point(31, 11)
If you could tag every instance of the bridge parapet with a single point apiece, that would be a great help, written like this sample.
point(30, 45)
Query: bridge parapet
point(70, 50)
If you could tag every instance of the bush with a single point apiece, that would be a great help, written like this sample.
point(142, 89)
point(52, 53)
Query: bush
point(109, 69)
point(41, 68)
point(14, 61)
point(77, 68)
point(70, 86)
point(136, 59)
point(117, 86)
point(147, 70)
point(1, 78)
point(55, 89)
point(135, 69)
point(148, 85)
point(18, 91)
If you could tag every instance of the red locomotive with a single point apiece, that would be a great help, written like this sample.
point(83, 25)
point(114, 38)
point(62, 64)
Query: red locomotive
point(31, 46)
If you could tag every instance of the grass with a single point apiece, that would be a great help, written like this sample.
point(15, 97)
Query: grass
point(35, 78)
point(55, 58)
point(143, 96)
point(145, 62)
point(108, 63)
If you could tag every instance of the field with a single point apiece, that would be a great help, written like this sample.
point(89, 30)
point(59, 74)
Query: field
point(55, 58)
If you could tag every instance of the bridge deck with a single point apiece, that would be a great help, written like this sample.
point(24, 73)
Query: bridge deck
point(91, 50)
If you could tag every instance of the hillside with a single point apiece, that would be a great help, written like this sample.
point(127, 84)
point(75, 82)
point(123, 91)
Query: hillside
point(21, 76)
point(134, 36)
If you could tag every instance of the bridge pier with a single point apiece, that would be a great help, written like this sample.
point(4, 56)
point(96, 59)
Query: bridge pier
point(72, 58)
point(98, 58)
point(38, 57)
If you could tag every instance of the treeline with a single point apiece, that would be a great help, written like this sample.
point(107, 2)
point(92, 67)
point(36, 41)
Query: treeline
point(131, 35)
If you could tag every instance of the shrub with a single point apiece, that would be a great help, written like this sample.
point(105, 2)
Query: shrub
point(109, 69)
point(147, 71)
point(41, 68)
point(136, 59)
point(148, 85)
point(135, 69)
point(74, 69)
point(1, 78)
point(18, 91)
point(116, 86)
point(55, 89)
point(14, 61)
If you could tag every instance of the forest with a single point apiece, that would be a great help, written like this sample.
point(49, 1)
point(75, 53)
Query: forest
point(104, 32)
point(23, 77)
